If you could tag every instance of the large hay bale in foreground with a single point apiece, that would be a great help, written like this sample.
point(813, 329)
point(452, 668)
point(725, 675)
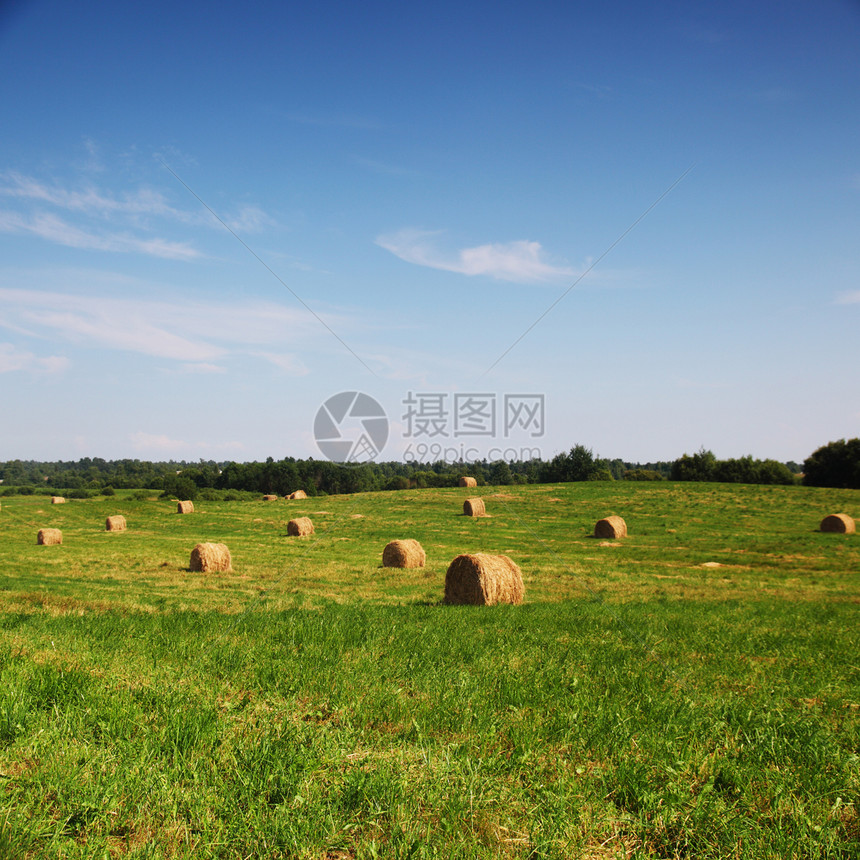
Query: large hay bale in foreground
point(115, 523)
point(298, 494)
point(57, 500)
point(185, 507)
point(300, 527)
point(474, 508)
point(839, 523)
point(610, 527)
point(483, 580)
point(404, 553)
point(211, 558)
point(468, 482)
point(270, 498)
point(49, 537)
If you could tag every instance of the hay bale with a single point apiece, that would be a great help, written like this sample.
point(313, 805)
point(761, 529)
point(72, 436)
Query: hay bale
point(211, 558)
point(483, 580)
point(839, 523)
point(298, 494)
point(115, 524)
point(49, 537)
point(300, 527)
point(474, 508)
point(185, 507)
point(610, 527)
point(468, 482)
point(404, 553)
point(57, 500)
point(270, 498)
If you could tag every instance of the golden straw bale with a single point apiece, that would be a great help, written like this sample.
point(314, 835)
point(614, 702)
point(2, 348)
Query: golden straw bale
point(404, 553)
point(298, 494)
point(49, 537)
point(610, 527)
point(840, 523)
point(57, 500)
point(211, 558)
point(185, 508)
point(115, 524)
point(270, 498)
point(483, 580)
point(300, 526)
point(474, 508)
point(468, 482)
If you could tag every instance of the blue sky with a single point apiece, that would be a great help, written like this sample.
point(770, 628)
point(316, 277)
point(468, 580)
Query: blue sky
point(401, 191)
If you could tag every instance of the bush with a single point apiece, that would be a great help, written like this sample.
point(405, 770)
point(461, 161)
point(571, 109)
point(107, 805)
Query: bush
point(642, 475)
point(108, 491)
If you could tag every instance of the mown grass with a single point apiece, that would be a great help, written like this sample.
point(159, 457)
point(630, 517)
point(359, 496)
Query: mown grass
point(315, 705)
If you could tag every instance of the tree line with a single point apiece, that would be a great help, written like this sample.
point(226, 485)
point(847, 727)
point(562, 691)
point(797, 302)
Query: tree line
point(836, 464)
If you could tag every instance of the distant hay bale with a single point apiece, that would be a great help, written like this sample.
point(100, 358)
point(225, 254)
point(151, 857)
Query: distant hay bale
point(211, 558)
point(483, 580)
point(300, 527)
point(270, 498)
point(468, 482)
point(474, 508)
point(839, 523)
point(403, 553)
point(49, 537)
point(185, 508)
point(610, 527)
point(298, 494)
point(115, 524)
point(57, 500)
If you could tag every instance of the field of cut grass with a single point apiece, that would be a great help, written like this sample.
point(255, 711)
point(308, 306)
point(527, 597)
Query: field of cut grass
point(690, 691)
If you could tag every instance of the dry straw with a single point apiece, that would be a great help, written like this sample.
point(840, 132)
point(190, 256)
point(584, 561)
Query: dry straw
point(298, 494)
point(211, 558)
point(483, 580)
point(474, 508)
point(185, 507)
point(610, 527)
point(115, 524)
point(49, 537)
point(403, 553)
point(270, 498)
point(300, 527)
point(839, 523)
point(57, 500)
point(468, 482)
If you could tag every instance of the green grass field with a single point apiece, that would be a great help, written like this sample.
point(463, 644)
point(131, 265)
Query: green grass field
point(690, 691)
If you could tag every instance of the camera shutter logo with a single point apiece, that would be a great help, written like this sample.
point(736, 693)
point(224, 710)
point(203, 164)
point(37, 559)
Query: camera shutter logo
point(351, 427)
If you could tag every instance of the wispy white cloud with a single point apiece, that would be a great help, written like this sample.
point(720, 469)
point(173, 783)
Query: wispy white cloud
point(162, 443)
point(196, 334)
point(13, 359)
point(520, 261)
point(850, 298)
point(290, 364)
point(55, 229)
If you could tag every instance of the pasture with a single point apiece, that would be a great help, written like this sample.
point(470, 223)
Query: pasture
point(690, 690)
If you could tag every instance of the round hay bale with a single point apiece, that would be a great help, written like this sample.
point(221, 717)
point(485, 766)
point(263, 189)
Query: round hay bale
point(298, 494)
point(300, 527)
point(57, 500)
point(483, 580)
point(270, 498)
point(474, 508)
point(49, 537)
point(404, 553)
point(468, 482)
point(839, 523)
point(610, 527)
point(185, 507)
point(115, 524)
point(211, 558)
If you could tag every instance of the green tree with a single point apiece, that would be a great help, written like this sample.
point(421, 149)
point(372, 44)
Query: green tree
point(836, 464)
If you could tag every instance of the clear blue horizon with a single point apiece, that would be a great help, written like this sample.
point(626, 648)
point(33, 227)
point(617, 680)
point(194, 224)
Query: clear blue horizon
point(400, 194)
